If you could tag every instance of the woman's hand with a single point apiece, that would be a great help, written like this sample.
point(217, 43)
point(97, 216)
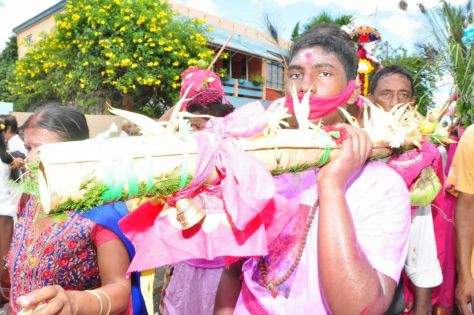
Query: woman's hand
point(50, 300)
point(354, 152)
point(17, 163)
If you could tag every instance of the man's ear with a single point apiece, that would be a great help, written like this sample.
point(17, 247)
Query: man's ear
point(371, 98)
point(355, 94)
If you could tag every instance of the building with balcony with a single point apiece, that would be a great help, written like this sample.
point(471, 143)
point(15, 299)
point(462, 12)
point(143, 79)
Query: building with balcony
point(254, 69)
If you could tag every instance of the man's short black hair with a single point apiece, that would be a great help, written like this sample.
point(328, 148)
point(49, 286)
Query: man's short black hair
point(332, 39)
point(389, 70)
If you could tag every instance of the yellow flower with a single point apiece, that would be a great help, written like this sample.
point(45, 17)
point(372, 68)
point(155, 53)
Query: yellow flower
point(86, 63)
point(125, 62)
point(141, 19)
point(75, 17)
point(175, 64)
point(82, 85)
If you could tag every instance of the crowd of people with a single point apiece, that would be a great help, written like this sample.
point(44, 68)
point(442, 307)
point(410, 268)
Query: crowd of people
point(355, 244)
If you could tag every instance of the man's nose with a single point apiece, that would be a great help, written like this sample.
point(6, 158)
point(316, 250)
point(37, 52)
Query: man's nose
point(306, 84)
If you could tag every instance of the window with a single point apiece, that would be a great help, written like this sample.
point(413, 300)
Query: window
point(29, 39)
point(274, 75)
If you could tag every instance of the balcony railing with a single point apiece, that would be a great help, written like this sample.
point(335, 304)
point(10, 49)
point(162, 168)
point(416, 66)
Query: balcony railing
point(242, 88)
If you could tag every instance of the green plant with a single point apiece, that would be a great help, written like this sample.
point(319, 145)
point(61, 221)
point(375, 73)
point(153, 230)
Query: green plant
point(257, 79)
point(130, 53)
point(8, 57)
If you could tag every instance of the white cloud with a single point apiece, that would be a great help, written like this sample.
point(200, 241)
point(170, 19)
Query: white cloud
point(402, 25)
point(364, 7)
point(15, 12)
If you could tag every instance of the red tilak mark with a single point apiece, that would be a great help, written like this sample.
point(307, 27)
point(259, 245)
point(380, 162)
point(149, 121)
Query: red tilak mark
point(308, 56)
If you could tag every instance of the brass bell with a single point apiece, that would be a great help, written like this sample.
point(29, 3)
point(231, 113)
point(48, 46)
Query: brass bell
point(188, 214)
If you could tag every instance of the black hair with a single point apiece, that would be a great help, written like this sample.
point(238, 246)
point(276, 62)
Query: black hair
point(69, 123)
point(4, 155)
point(213, 109)
point(10, 122)
point(389, 70)
point(332, 39)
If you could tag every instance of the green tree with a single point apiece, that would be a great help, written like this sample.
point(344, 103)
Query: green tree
point(322, 18)
point(423, 67)
point(296, 32)
point(130, 53)
point(8, 57)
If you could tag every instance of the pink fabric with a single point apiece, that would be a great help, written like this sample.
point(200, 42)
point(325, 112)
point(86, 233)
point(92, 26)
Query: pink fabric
point(409, 164)
point(443, 208)
point(321, 106)
point(379, 204)
point(218, 262)
point(191, 290)
point(245, 181)
point(443, 295)
point(242, 204)
point(101, 235)
point(162, 242)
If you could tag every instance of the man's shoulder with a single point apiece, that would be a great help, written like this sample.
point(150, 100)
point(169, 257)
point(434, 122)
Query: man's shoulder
point(377, 171)
point(468, 136)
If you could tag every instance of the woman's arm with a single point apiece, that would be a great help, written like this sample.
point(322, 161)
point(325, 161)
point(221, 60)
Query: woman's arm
point(113, 263)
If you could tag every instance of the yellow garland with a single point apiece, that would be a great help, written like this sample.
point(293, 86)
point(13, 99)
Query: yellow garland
point(365, 68)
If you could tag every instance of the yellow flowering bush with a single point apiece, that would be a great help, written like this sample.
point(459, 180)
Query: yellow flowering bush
point(121, 50)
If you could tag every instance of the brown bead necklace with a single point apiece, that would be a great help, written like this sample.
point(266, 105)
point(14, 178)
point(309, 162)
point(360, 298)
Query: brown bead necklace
point(262, 268)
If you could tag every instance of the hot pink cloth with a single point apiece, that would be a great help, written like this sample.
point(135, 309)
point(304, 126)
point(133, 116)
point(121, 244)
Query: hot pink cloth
point(443, 295)
point(410, 164)
point(379, 204)
point(322, 106)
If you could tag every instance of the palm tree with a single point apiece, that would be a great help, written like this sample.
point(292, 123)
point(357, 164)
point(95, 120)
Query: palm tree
point(326, 18)
point(448, 23)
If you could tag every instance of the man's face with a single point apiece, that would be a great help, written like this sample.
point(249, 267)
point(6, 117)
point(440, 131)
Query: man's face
point(391, 90)
point(198, 123)
point(313, 67)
